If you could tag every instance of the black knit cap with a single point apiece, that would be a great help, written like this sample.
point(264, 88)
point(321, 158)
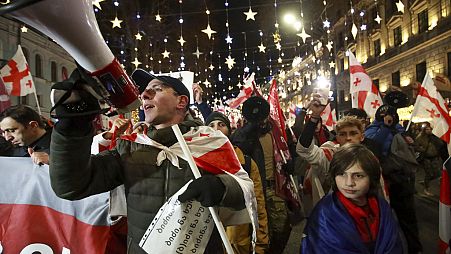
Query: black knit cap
point(142, 79)
point(358, 112)
point(219, 117)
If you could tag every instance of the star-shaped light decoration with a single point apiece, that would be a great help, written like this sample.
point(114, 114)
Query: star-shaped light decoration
point(230, 62)
point(166, 54)
point(329, 45)
point(211, 67)
point(197, 53)
point(206, 83)
point(363, 27)
point(239, 85)
point(332, 64)
point(208, 31)
point(24, 29)
point(136, 63)
point(228, 39)
point(354, 30)
point(400, 6)
point(181, 41)
point(378, 19)
point(138, 36)
point(116, 22)
point(303, 35)
point(276, 36)
point(158, 17)
point(261, 48)
point(326, 23)
point(250, 14)
point(96, 3)
point(246, 69)
point(278, 46)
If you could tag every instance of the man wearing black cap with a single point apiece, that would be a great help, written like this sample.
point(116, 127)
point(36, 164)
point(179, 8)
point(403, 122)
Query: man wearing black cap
point(147, 185)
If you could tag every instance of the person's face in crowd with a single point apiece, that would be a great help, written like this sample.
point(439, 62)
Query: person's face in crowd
point(349, 134)
point(160, 104)
point(354, 184)
point(219, 125)
point(428, 130)
point(17, 133)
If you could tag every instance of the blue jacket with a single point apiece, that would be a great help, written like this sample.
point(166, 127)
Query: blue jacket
point(330, 229)
point(382, 134)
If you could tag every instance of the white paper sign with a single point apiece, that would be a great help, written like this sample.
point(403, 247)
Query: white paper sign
point(179, 228)
point(187, 78)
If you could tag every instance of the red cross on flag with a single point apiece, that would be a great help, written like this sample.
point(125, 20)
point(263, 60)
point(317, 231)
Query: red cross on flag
point(365, 94)
point(16, 75)
point(245, 93)
point(430, 106)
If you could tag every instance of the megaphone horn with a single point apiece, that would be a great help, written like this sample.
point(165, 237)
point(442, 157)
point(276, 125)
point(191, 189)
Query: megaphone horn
point(72, 24)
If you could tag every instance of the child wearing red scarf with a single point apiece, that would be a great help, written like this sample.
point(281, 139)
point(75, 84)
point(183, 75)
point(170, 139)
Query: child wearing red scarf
point(352, 219)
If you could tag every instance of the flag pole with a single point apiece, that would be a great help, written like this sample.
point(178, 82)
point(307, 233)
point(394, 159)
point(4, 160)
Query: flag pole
point(37, 101)
point(197, 174)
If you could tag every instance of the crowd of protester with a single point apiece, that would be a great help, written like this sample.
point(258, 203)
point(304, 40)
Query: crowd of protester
point(350, 179)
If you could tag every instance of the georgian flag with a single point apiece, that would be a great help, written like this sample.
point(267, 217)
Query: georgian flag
point(365, 94)
point(445, 209)
point(430, 106)
point(16, 75)
point(328, 118)
point(245, 93)
point(213, 152)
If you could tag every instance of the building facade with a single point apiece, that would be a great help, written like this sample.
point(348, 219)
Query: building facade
point(48, 62)
point(397, 42)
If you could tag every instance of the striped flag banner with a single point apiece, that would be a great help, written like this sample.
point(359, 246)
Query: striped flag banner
point(34, 220)
point(445, 209)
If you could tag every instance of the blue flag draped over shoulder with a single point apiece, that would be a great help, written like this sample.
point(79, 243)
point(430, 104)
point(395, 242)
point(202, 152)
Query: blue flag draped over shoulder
point(330, 229)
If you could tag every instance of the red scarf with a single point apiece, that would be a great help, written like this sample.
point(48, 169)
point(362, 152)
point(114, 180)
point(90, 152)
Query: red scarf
point(363, 216)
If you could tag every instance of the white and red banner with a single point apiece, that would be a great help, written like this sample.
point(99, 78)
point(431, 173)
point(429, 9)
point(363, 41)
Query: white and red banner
point(430, 105)
point(16, 75)
point(445, 210)
point(245, 93)
point(34, 220)
point(329, 117)
point(365, 94)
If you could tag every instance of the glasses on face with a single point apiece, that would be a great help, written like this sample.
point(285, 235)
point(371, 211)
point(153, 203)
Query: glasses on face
point(153, 90)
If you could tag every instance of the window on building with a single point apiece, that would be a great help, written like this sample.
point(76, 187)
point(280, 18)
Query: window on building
point(421, 71)
point(396, 79)
point(423, 22)
point(38, 66)
point(377, 47)
point(53, 71)
point(390, 9)
point(341, 97)
point(64, 74)
point(23, 100)
point(26, 54)
point(397, 36)
point(340, 41)
point(376, 83)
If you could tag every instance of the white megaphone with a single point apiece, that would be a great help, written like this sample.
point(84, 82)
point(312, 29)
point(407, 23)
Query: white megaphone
point(72, 24)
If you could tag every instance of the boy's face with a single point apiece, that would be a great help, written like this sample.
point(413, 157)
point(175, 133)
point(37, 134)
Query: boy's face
point(349, 134)
point(354, 184)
